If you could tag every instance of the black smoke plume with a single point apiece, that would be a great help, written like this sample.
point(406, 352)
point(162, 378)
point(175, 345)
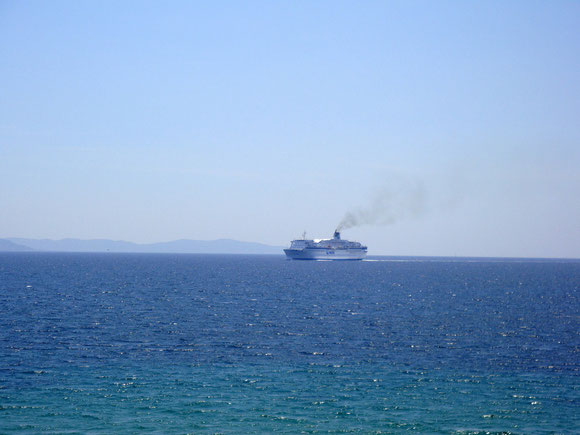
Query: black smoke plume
point(388, 206)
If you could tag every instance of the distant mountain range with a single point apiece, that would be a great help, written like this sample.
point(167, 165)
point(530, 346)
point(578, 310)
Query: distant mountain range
point(7, 245)
point(221, 246)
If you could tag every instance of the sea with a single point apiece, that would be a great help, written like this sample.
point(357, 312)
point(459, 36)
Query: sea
point(173, 344)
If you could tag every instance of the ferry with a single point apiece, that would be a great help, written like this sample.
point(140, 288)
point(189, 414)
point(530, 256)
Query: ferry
point(325, 249)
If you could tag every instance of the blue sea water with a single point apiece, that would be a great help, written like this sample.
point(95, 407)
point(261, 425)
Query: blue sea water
point(144, 343)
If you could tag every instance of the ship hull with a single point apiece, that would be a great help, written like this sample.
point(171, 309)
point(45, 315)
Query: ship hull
point(325, 254)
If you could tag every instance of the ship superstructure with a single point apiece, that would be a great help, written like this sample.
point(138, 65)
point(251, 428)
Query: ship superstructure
point(325, 249)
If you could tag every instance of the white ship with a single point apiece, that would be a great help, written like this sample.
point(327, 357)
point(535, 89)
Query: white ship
point(325, 249)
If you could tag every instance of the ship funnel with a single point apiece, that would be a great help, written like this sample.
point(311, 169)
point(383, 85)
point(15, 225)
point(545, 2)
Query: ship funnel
point(337, 235)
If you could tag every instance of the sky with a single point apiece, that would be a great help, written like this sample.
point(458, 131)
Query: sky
point(448, 127)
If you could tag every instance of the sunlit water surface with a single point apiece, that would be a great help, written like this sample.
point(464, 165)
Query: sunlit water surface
point(126, 343)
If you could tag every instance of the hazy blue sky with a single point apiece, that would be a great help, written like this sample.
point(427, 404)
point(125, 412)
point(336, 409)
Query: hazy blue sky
point(154, 121)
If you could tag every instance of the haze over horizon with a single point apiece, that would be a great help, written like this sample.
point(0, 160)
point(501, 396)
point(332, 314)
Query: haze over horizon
point(425, 128)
